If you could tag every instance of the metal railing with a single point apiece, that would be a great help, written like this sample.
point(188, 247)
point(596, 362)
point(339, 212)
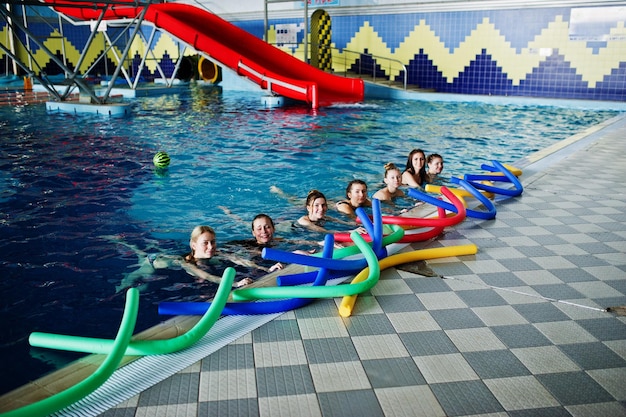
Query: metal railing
point(352, 62)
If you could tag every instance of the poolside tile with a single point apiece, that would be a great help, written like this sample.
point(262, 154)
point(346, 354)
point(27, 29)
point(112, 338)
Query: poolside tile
point(284, 353)
point(322, 327)
point(593, 356)
point(491, 364)
point(393, 372)
point(243, 406)
point(343, 376)
point(284, 380)
point(418, 401)
point(428, 343)
point(366, 325)
point(517, 336)
point(574, 388)
point(445, 368)
point(413, 321)
point(564, 332)
point(500, 315)
point(466, 398)
point(292, 405)
point(475, 339)
point(379, 346)
point(521, 393)
point(350, 403)
point(333, 349)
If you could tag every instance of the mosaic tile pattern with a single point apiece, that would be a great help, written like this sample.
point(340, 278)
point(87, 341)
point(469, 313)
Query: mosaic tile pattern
point(510, 52)
point(518, 329)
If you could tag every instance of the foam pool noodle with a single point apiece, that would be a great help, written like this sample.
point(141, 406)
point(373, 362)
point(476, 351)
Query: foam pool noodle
point(319, 292)
point(77, 392)
point(143, 347)
point(347, 303)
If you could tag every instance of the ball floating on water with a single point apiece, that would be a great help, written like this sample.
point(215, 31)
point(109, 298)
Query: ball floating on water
point(161, 159)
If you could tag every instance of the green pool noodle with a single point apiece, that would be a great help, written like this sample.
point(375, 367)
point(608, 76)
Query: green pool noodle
point(143, 347)
point(79, 391)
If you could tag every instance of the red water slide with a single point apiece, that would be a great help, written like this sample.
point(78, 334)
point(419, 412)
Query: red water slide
point(266, 65)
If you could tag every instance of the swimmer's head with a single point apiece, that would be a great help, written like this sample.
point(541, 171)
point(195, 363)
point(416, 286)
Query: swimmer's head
point(316, 205)
point(416, 160)
point(202, 242)
point(435, 164)
point(263, 229)
point(356, 192)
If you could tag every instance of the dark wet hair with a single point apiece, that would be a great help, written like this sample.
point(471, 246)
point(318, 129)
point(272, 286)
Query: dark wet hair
point(312, 196)
point(433, 156)
point(262, 216)
point(351, 183)
point(411, 169)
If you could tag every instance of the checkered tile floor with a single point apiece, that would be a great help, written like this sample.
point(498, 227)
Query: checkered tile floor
point(515, 330)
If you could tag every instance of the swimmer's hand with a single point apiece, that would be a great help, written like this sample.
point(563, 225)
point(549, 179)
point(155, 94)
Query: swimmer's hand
point(276, 267)
point(361, 230)
point(242, 283)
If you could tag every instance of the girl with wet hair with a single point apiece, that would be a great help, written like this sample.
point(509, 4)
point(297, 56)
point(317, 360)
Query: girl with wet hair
point(393, 180)
point(435, 166)
point(414, 174)
point(356, 196)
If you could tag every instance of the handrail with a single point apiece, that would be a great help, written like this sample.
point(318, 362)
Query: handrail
point(375, 59)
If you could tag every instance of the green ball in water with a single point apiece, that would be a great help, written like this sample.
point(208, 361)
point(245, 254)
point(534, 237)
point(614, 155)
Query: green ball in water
point(161, 160)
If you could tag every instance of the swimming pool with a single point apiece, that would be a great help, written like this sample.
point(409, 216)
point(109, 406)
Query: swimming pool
point(79, 193)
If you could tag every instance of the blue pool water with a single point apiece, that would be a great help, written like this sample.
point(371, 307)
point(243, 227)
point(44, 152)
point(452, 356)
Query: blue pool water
point(80, 198)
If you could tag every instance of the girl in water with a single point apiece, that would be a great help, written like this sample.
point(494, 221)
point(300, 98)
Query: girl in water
point(316, 217)
point(356, 196)
point(393, 179)
point(414, 174)
point(199, 262)
point(435, 166)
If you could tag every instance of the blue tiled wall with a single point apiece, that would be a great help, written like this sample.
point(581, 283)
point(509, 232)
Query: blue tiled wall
point(521, 52)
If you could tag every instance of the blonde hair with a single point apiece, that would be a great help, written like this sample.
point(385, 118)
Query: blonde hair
point(390, 166)
point(195, 234)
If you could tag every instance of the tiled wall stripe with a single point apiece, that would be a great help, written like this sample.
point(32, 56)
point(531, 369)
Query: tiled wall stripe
point(500, 52)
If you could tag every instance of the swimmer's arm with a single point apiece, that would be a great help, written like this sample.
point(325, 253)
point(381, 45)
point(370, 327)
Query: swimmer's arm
point(305, 222)
point(408, 179)
point(197, 272)
point(242, 261)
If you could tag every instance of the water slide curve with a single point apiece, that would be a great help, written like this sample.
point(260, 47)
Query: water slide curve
point(269, 67)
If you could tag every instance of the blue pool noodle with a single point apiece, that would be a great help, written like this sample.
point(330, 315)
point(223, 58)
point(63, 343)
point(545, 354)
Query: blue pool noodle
point(508, 177)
